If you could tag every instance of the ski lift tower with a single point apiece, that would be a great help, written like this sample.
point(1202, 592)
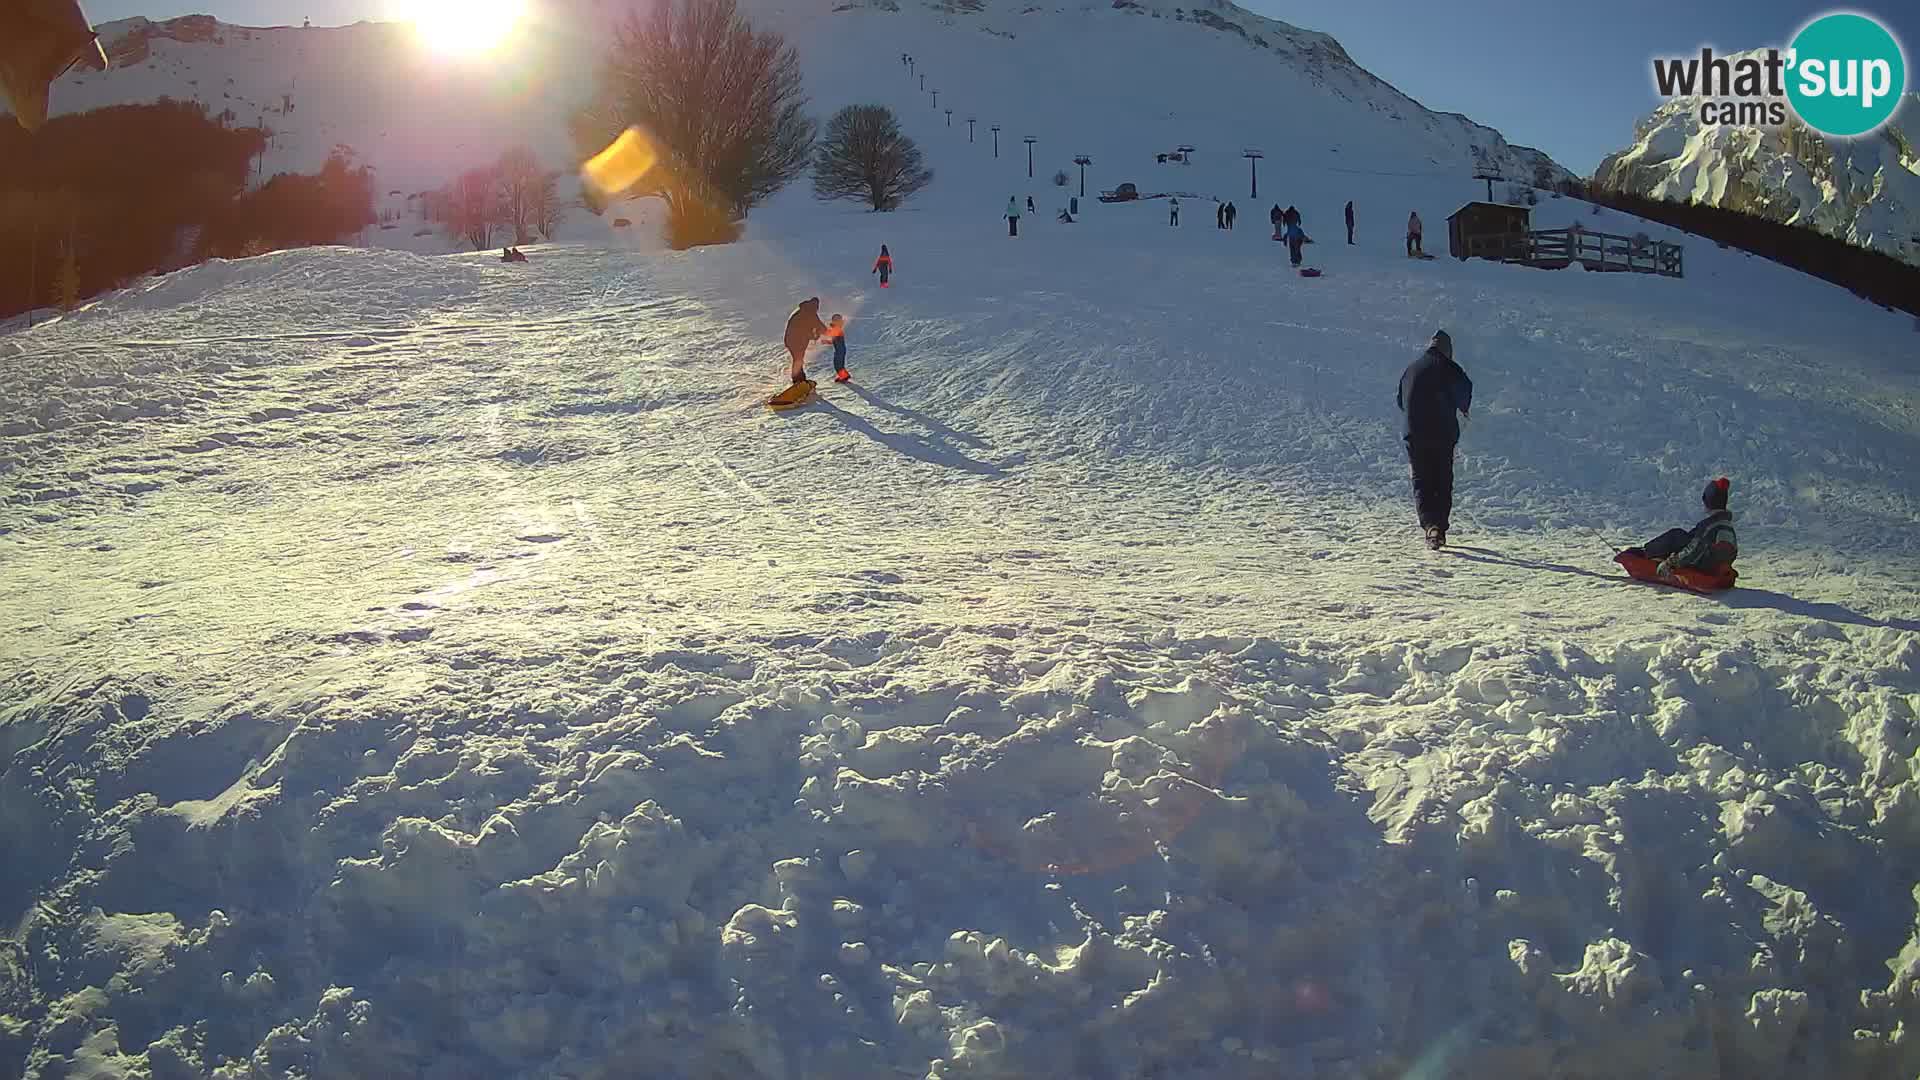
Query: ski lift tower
point(1489, 175)
point(1030, 140)
point(1253, 156)
point(949, 117)
point(1185, 152)
point(970, 122)
point(1083, 161)
point(996, 140)
point(936, 100)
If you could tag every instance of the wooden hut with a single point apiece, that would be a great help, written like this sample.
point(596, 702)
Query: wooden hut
point(1486, 230)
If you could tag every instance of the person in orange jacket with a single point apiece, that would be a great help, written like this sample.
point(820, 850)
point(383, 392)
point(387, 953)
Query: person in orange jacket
point(883, 266)
point(837, 334)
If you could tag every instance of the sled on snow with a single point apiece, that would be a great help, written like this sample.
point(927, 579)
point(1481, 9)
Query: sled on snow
point(1309, 271)
point(1641, 568)
point(792, 397)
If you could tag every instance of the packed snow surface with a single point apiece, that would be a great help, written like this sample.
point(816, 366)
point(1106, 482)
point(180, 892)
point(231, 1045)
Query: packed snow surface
point(430, 666)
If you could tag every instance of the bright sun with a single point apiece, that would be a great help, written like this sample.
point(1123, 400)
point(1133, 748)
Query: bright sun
point(464, 27)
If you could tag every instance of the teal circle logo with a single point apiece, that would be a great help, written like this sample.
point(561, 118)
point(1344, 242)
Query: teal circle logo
point(1846, 74)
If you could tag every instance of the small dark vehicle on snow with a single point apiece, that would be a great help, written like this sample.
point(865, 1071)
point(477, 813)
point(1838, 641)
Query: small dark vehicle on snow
point(1123, 193)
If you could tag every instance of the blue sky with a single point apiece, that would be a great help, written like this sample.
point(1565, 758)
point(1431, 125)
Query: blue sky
point(1570, 79)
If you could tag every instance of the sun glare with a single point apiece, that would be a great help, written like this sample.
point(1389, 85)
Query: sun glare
point(465, 27)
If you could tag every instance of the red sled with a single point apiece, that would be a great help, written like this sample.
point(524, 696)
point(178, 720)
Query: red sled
point(1641, 568)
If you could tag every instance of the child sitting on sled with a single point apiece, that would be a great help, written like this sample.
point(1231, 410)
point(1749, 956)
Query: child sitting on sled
point(1709, 546)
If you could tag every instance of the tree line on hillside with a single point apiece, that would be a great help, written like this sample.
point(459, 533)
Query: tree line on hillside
point(93, 200)
point(1868, 274)
point(513, 197)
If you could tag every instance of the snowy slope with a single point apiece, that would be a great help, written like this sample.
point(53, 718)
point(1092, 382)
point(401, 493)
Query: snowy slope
point(1865, 191)
point(1218, 77)
point(417, 116)
point(434, 667)
point(424, 666)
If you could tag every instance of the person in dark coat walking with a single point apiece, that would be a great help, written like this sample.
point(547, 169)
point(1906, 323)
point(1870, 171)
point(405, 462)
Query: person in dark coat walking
point(1291, 217)
point(1349, 221)
point(803, 326)
point(1220, 216)
point(1232, 212)
point(1296, 236)
point(1432, 390)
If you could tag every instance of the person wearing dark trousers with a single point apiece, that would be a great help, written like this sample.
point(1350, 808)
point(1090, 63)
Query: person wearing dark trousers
point(837, 336)
point(883, 266)
point(1013, 216)
point(1349, 221)
point(1173, 210)
point(1220, 216)
point(1432, 390)
point(1029, 204)
point(1232, 212)
point(1710, 545)
point(1296, 236)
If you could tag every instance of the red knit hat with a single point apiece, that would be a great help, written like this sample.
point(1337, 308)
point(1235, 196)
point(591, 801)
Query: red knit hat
point(1715, 496)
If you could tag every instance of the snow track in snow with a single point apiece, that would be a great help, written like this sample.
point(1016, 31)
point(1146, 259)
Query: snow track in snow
point(479, 680)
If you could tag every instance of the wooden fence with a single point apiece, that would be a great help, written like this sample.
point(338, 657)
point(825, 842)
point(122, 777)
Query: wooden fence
point(1552, 249)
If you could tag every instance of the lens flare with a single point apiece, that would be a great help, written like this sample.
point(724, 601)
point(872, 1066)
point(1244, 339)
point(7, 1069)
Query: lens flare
point(465, 27)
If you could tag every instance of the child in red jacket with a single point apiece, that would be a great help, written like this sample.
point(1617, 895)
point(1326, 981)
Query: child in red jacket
point(883, 266)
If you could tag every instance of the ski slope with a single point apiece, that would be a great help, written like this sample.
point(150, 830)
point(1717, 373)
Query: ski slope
point(430, 666)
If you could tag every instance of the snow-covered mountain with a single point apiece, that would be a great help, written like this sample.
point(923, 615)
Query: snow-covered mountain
point(1866, 191)
point(1215, 76)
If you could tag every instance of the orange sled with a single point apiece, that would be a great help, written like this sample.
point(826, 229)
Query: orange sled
point(1642, 568)
point(792, 397)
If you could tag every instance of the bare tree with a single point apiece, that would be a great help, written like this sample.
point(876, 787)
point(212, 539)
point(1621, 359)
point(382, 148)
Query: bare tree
point(473, 207)
point(721, 103)
point(519, 177)
point(865, 156)
point(543, 203)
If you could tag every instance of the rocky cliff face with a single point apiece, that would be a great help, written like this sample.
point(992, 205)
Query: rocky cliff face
point(1866, 191)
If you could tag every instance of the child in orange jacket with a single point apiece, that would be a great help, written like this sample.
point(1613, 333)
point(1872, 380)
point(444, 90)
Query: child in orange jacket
point(837, 334)
point(883, 266)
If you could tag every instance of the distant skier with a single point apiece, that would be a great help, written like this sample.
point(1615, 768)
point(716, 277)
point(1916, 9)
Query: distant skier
point(1173, 210)
point(1296, 236)
point(803, 327)
point(1013, 216)
point(837, 335)
point(1277, 217)
point(1709, 545)
point(1232, 212)
point(1029, 204)
point(1414, 249)
point(883, 266)
point(1349, 221)
point(1220, 216)
point(1291, 217)
point(1432, 390)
